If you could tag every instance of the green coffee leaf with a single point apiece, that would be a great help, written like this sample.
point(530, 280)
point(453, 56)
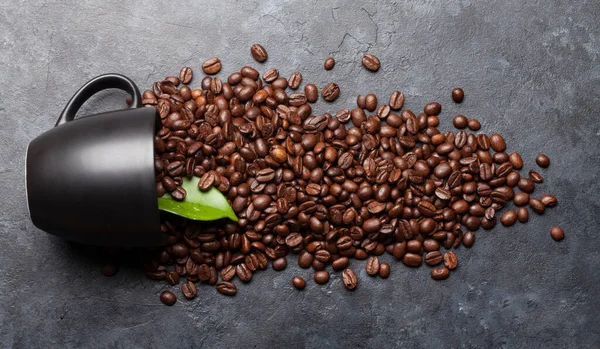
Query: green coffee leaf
point(198, 205)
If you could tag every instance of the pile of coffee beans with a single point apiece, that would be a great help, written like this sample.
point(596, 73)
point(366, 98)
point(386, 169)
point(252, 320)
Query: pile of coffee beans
point(323, 189)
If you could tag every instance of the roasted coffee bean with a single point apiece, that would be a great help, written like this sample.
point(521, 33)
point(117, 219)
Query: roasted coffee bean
point(557, 233)
point(542, 160)
point(370, 102)
point(259, 53)
point(226, 288)
point(321, 277)
point(168, 297)
point(371, 62)
point(549, 200)
point(473, 125)
point(384, 270)
point(396, 100)
point(516, 161)
point(522, 214)
point(270, 75)
point(450, 260)
point(279, 264)
point(349, 278)
point(211, 66)
point(468, 239)
point(508, 218)
point(372, 266)
point(172, 277)
point(330, 92)
point(243, 273)
point(189, 290)
point(440, 273)
point(458, 94)
point(537, 206)
point(295, 80)
point(298, 283)
point(433, 258)
point(460, 121)
point(412, 260)
point(206, 181)
point(228, 273)
point(535, 177)
point(521, 199)
point(526, 185)
point(340, 263)
point(185, 75)
point(432, 108)
point(329, 63)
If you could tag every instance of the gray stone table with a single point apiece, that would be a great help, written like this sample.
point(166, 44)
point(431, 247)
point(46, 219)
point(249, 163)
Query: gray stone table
point(530, 70)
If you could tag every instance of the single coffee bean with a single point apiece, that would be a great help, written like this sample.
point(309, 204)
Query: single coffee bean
point(109, 269)
point(542, 160)
point(279, 264)
point(305, 259)
point(206, 181)
point(440, 273)
point(330, 92)
point(259, 53)
point(432, 108)
point(298, 282)
point(516, 161)
point(450, 260)
point(433, 258)
point(349, 278)
point(535, 177)
point(508, 218)
point(370, 102)
point(295, 80)
point(497, 142)
point(549, 200)
point(384, 270)
point(312, 93)
point(458, 94)
point(557, 233)
point(537, 206)
point(211, 66)
point(172, 277)
point(228, 273)
point(185, 75)
point(521, 199)
point(226, 288)
point(526, 185)
point(412, 260)
point(372, 266)
point(468, 239)
point(168, 297)
point(321, 277)
point(270, 75)
point(243, 272)
point(329, 63)
point(371, 62)
point(189, 290)
point(473, 125)
point(460, 121)
point(396, 100)
point(522, 214)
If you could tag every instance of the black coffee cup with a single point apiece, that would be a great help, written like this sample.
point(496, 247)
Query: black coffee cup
point(92, 180)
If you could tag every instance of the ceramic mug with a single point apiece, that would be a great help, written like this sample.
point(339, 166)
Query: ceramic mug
point(92, 180)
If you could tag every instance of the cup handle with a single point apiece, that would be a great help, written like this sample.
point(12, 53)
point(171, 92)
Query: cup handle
point(95, 85)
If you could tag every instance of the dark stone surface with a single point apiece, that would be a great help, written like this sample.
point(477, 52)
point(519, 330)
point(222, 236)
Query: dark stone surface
point(530, 71)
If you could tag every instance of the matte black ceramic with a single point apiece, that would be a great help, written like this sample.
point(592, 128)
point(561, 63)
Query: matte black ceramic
point(91, 180)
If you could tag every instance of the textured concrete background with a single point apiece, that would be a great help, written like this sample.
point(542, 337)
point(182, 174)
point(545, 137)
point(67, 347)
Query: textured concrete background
point(530, 69)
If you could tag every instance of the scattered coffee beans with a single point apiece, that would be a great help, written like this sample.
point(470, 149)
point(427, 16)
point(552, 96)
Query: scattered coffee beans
point(329, 188)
